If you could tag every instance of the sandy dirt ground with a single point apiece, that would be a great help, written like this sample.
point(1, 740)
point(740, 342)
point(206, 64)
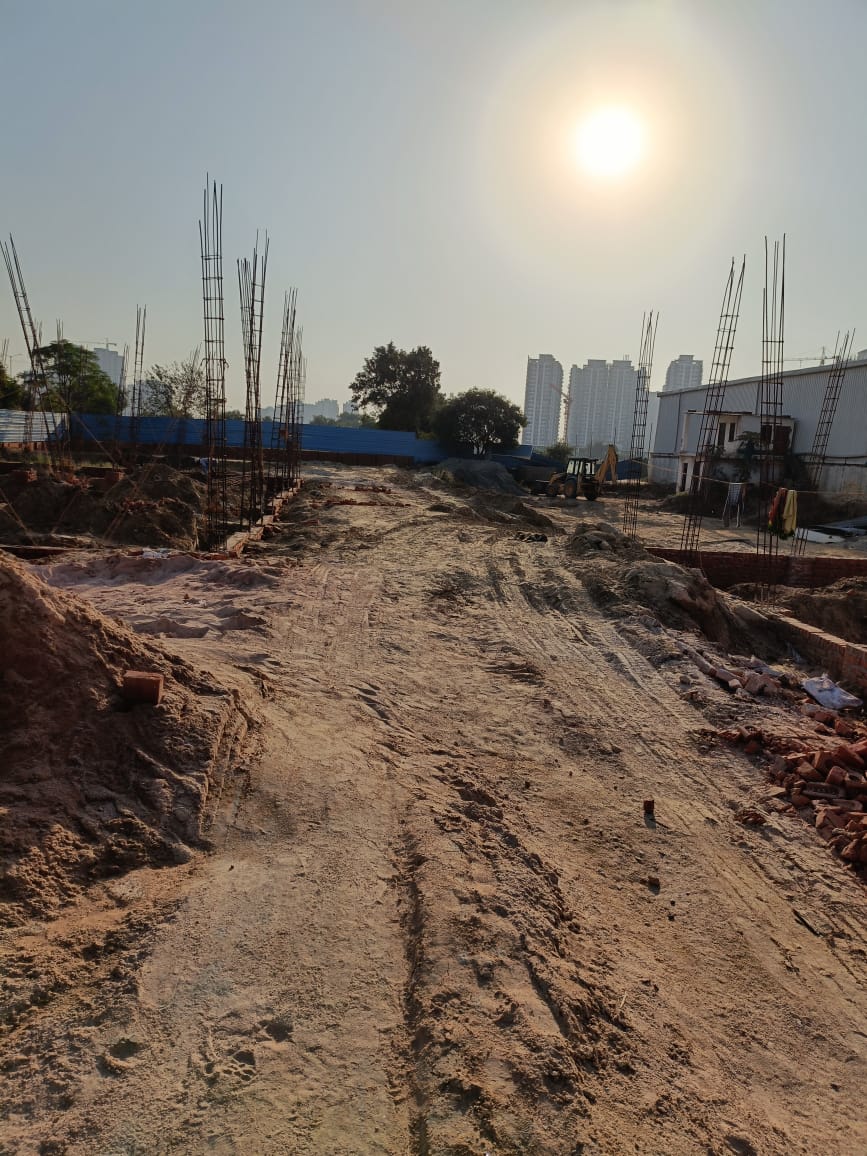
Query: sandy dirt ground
point(434, 917)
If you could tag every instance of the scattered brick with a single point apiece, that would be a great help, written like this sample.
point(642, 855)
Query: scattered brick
point(141, 686)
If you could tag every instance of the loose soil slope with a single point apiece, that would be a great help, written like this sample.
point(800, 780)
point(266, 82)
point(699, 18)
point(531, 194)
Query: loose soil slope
point(90, 786)
point(153, 506)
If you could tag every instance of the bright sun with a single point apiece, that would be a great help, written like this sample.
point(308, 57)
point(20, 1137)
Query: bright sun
point(610, 142)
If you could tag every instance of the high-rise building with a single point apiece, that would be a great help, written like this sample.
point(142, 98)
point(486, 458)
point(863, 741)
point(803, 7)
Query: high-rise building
point(683, 373)
point(601, 405)
point(542, 397)
point(110, 362)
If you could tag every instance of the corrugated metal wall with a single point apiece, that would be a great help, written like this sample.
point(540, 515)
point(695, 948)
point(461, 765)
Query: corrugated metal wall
point(13, 426)
point(803, 392)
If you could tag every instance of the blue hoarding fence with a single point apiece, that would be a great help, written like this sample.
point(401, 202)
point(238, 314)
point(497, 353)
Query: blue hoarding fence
point(188, 434)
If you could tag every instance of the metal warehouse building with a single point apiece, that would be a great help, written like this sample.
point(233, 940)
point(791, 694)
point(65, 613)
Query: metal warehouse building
point(675, 442)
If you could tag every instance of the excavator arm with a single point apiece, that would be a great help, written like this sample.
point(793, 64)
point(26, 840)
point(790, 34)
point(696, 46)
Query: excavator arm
point(608, 469)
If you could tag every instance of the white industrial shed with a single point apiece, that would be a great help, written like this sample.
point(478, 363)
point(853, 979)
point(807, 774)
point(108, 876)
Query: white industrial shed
point(676, 435)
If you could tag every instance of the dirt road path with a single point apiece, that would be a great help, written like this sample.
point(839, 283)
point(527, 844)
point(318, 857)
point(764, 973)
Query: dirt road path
point(435, 919)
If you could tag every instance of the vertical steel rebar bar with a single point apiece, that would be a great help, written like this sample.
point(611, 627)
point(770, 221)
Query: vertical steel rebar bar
point(214, 446)
point(714, 398)
point(639, 423)
point(772, 449)
point(251, 286)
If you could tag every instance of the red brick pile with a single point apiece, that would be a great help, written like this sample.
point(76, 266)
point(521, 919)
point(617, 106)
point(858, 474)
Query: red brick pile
point(823, 777)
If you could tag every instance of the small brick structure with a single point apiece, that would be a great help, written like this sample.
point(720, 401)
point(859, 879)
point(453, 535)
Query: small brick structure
point(142, 686)
point(845, 661)
point(724, 569)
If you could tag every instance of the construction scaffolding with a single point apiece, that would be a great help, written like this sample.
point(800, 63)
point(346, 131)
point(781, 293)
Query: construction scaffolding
point(56, 439)
point(214, 448)
point(713, 403)
point(773, 436)
point(639, 423)
point(251, 285)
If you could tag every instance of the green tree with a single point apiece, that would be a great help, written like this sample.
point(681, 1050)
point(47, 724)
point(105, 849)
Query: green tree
point(403, 388)
point(176, 390)
point(560, 451)
point(478, 422)
point(12, 393)
point(75, 381)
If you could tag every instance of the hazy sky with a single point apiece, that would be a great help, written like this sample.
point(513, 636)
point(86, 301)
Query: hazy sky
point(413, 163)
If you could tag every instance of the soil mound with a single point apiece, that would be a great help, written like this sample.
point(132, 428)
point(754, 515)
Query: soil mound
point(155, 506)
point(600, 538)
point(507, 510)
point(32, 509)
point(623, 579)
point(479, 475)
point(839, 609)
point(90, 786)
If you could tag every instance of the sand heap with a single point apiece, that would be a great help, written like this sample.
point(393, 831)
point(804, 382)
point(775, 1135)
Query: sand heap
point(90, 786)
point(154, 506)
point(478, 475)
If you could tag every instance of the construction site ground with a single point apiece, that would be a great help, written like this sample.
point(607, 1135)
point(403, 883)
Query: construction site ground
point(432, 915)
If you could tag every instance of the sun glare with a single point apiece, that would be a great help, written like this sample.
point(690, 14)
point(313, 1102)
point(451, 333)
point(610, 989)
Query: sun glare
point(609, 142)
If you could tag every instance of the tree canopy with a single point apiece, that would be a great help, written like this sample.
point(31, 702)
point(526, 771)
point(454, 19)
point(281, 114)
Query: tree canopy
point(402, 387)
point(560, 451)
point(478, 422)
point(12, 392)
point(75, 381)
point(176, 390)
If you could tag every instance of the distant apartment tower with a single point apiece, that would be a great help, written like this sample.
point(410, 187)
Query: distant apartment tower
point(601, 405)
point(110, 362)
point(542, 398)
point(326, 407)
point(683, 373)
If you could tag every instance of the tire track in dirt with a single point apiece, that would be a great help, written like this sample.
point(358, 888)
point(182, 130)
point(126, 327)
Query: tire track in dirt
point(660, 734)
point(428, 927)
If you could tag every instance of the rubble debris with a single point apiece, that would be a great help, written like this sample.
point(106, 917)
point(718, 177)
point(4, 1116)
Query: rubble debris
point(826, 692)
point(822, 778)
point(755, 682)
point(751, 817)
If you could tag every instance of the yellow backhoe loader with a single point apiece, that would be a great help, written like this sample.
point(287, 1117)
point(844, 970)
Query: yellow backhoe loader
point(584, 474)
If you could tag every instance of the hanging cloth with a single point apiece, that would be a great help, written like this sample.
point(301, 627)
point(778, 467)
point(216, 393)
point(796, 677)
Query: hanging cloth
point(775, 514)
point(790, 514)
